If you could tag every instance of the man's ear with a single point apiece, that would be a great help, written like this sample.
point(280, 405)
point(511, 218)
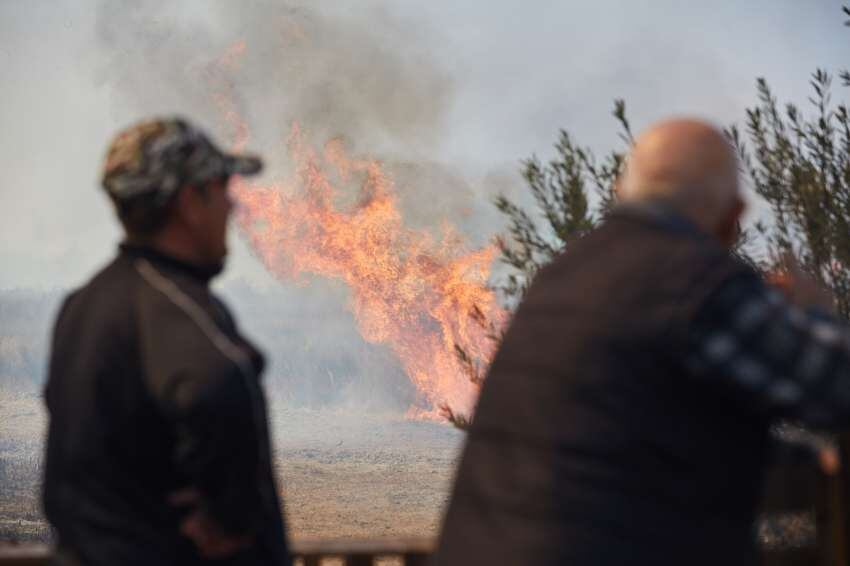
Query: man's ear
point(730, 225)
point(186, 206)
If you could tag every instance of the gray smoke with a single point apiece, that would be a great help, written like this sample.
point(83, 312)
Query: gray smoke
point(355, 73)
point(349, 72)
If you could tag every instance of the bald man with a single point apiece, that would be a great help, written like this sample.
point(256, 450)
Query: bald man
point(625, 417)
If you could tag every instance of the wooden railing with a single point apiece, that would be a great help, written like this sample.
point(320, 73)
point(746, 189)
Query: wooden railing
point(401, 552)
point(410, 552)
point(24, 555)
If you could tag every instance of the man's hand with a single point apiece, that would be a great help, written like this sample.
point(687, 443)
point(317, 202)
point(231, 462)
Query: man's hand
point(799, 287)
point(210, 539)
point(829, 460)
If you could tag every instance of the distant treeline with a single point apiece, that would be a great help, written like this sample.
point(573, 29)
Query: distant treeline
point(25, 320)
point(316, 356)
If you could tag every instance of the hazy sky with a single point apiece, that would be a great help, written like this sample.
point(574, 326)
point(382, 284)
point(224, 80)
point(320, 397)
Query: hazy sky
point(467, 87)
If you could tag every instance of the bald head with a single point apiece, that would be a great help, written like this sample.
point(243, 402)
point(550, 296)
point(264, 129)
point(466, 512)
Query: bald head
point(690, 165)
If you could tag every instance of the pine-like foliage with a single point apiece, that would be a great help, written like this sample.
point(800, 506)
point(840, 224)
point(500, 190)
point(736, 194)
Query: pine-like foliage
point(800, 166)
point(561, 190)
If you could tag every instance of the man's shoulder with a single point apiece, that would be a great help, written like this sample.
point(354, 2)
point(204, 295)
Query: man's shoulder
point(109, 281)
point(106, 295)
point(640, 260)
point(96, 322)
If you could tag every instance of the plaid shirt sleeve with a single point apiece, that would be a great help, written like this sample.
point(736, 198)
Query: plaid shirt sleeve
point(779, 359)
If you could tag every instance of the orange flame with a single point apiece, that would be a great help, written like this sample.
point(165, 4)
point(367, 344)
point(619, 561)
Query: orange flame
point(410, 290)
point(413, 292)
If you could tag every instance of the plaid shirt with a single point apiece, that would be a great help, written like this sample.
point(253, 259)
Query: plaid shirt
point(785, 361)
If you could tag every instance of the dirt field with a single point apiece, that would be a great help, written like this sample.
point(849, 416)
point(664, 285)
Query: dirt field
point(21, 435)
point(343, 475)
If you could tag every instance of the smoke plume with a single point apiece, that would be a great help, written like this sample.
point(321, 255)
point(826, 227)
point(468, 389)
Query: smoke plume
point(355, 73)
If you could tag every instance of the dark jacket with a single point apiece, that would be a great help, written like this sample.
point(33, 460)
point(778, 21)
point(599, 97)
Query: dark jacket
point(151, 390)
point(591, 444)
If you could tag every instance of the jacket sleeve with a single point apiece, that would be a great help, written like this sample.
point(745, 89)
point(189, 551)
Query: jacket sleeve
point(217, 444)
point(776, 358)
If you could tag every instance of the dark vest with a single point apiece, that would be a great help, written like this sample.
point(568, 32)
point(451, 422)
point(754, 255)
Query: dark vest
point(592, 443)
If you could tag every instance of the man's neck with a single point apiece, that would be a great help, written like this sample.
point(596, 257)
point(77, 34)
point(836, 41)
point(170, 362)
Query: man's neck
point(175, 255)
point(167, 244)
point(666, 212)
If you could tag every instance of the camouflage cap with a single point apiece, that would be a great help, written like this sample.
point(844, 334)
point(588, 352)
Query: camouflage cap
point(159, 156)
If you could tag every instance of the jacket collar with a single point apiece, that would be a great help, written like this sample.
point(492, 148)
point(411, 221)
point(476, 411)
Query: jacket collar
point(660, 214)
point(200, 273)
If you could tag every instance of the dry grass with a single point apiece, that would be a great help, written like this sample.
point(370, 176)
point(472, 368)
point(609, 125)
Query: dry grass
point(343, 475)
point(20, 467)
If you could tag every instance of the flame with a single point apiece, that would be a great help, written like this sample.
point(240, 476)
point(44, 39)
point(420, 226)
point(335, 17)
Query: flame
point(410, 290)
point(420, 295)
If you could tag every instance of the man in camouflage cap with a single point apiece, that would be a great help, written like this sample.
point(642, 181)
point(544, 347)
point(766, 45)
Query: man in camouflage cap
point(158, 448)
point(149, 162)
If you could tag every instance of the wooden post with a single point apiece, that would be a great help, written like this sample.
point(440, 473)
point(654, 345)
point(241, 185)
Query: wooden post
point(415, 559)
point(359, 560)
point(840, 503)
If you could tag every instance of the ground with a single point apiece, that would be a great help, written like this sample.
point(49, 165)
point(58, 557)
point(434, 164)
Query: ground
point(21, 437)
point(346, 475)
point(343, 474)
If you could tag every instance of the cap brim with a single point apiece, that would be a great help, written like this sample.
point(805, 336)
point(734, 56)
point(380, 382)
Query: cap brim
point(244, 165)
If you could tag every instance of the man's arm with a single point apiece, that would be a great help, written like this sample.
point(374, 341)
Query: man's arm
point(779, 358)
point(217, 448)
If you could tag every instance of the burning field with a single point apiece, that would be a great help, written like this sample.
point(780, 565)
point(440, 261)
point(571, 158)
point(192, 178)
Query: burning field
point(339, 218)
point(418, 291)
